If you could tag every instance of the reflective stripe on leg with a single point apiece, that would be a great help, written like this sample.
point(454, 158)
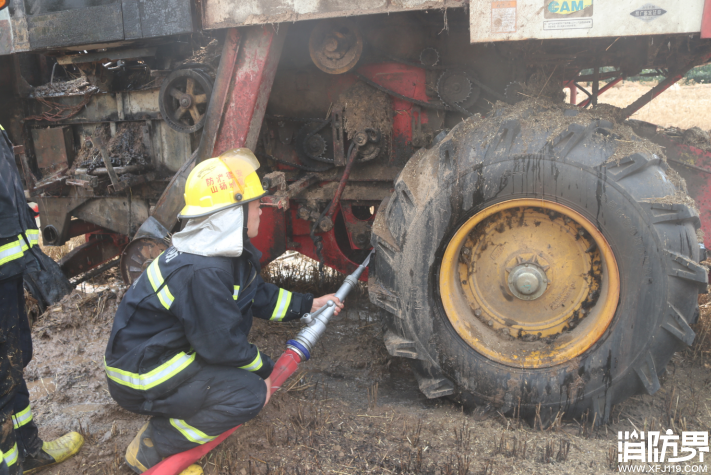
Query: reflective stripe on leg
point(11, 456)
point(12, 251)
point(21, 418)
point(191, 433)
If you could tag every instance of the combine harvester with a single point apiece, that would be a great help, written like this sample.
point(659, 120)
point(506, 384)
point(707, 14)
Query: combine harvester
point(532, 255)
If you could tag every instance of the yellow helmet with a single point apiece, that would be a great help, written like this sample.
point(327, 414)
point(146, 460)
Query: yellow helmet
point(219, 183)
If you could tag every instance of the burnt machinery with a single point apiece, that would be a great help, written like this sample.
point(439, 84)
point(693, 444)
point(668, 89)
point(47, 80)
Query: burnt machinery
point(511, 225)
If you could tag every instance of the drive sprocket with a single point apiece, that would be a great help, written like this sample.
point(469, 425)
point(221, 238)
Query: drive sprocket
point(311, 145)
point(455, 87)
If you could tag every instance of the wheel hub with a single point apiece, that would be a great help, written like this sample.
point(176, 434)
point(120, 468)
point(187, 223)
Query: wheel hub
point(529, 282)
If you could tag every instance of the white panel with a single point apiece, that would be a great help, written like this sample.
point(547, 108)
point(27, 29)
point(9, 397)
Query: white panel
point(136, 102)
point(230, 13)
point(550, 19)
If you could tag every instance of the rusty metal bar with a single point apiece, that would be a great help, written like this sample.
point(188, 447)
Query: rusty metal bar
point(220, 90)
point(253, 78)
point(342, 184)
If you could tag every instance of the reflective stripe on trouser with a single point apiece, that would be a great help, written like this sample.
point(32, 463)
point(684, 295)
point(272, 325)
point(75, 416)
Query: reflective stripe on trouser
point(191, 433)
point(21, 418)
point(11, 455)
point(156, 279)
point(282, 305)
point(153, 378)
point(209, 402)
point(255, 365)
point(235, 294)
point(11, 251)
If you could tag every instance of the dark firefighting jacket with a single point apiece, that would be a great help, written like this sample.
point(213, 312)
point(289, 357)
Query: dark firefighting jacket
point(186, 311)
point(18, 230)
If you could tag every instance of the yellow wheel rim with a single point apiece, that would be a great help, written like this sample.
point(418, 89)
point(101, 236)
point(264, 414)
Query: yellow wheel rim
point(529, 283)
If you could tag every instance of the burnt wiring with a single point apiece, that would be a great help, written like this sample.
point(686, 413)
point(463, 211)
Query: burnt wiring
point(59, 111)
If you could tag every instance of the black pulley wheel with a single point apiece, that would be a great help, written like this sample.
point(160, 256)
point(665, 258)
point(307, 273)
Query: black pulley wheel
point(529, 260)
point(183, 99)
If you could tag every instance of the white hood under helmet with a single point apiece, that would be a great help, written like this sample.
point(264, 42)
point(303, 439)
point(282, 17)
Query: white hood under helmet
point(219, 234)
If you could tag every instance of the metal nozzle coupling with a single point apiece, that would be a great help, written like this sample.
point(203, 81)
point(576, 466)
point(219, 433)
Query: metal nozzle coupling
point(316, 322)
point(316, 326)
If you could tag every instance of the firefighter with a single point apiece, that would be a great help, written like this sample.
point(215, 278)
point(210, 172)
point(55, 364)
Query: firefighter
point(178, 350)
point(20, 446)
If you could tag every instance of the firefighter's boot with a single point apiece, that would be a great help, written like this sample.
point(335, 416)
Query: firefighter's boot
point(141, 453)
point(54, 451)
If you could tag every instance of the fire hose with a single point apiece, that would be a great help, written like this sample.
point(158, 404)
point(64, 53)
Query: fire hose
point(297, 351)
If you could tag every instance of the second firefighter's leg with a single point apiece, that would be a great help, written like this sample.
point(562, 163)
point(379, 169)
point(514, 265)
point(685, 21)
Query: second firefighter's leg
point(35, 453)
point(11, 300)
point(8, 447)
point(28, 439)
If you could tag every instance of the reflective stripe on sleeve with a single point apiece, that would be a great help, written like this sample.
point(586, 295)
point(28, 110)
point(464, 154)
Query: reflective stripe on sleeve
point(255, 365)
point(22, 417)
point(11, 251)
point(32, 236)
point(156, 278)
point(235, 294)
point(152, 379)
point(191, 433)
point(282, 306)
point(11, 456)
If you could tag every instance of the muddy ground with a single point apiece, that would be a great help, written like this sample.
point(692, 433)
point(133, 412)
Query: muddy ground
point(351, 409)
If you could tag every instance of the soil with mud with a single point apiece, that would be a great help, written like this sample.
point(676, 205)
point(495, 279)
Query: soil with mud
point(351, 409)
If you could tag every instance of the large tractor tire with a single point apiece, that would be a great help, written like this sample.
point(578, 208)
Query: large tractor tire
point(537, 260)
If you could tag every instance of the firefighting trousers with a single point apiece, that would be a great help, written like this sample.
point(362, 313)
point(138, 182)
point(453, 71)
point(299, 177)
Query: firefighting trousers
point(206, 405)
point(12, 334)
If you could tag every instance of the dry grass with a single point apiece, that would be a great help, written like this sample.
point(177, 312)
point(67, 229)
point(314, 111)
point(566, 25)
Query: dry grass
point(57, 252)
point(682, 106)
point(299, 273)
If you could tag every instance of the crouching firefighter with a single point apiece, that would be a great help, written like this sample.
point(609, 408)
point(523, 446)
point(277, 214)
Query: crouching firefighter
point(178, 350)
point(20, 445)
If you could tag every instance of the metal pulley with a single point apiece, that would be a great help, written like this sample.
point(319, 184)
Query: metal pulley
point(335, 46)
point(138, 255)
point(183, 99)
